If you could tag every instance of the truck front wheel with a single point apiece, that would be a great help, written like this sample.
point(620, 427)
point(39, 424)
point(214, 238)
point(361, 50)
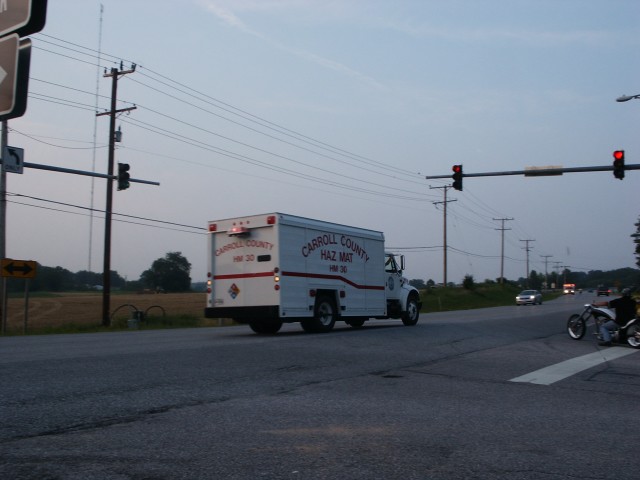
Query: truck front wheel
point(412, 312)
point(324, 317)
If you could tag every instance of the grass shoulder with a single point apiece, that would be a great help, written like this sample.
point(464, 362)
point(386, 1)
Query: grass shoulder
point(446, 299)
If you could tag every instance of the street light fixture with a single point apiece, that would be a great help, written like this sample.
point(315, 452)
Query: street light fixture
point(626, 98)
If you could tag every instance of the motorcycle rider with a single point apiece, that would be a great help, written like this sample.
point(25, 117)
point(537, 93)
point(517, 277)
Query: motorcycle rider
point(625, 308)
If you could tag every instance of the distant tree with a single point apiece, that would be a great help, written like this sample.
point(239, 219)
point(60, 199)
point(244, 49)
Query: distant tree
point(430, 283)
point(417, 283)
point(86, 279)
point(535, 280)
point(468, 283)
point(170, 273)
point(116, 280)
point(53, 279)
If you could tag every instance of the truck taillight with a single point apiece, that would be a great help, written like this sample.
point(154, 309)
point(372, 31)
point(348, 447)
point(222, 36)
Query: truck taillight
point(276, 279)
point(213, 227)
point(271, 220)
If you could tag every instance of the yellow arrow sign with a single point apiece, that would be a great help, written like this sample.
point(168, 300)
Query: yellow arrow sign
point(18, 268)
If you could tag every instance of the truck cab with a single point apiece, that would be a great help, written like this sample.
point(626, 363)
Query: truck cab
point(403, 300)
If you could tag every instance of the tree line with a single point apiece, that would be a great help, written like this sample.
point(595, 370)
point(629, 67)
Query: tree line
point(170, 273)
point(619, 278)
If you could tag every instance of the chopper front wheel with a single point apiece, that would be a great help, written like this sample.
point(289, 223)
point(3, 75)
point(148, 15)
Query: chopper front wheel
point(576, 327)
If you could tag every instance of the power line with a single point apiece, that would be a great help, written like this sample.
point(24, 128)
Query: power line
point(227, 107)
point(65, 204)
point(191, 141)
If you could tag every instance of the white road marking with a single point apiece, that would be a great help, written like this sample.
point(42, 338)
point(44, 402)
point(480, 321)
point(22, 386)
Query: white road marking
point(562, 370)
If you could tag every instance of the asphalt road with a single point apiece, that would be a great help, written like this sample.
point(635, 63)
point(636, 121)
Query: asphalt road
point(434, 401)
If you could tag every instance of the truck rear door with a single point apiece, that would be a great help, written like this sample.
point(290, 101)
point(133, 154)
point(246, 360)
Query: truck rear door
point(244, 255)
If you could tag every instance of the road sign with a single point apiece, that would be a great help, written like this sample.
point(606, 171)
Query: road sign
point(15, 60)
point(13, 159)
point(8, 72)
point(23, 17)
point(18, 268)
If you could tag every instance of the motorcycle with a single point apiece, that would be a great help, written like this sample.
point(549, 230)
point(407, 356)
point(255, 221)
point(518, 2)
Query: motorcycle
point(629, 333)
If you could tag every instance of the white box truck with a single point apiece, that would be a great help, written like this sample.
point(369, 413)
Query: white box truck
point(264, 270)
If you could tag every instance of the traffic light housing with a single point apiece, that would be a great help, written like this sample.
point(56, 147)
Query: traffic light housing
point(123, 176)
point(457, 177)
point(618, 164)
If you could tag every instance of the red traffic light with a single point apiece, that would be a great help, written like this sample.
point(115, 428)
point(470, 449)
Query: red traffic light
point(457, 177)
point(618, 164)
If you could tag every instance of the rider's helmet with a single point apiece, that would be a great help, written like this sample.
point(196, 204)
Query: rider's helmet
point(626, 292)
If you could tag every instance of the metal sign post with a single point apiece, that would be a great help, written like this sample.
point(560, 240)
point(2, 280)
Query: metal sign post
point(18, 18)
point(17, 269)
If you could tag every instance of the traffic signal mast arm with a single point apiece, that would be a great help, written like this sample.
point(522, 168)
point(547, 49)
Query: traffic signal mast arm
point(540, 171)
point(82, 172)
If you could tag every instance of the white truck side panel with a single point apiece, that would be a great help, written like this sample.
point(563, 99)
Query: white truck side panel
point(322, 256)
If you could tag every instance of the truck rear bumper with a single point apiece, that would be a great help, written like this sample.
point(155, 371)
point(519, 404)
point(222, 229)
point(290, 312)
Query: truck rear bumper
point(244, 314)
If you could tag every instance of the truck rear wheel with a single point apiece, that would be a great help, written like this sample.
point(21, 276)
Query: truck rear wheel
point(268, 327)
point(412, 312)
point(324, 317)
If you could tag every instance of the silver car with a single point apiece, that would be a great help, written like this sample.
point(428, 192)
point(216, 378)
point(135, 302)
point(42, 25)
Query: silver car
point(529, 296)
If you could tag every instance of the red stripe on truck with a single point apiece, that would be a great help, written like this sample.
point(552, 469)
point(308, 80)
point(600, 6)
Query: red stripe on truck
point(299, 274)
point(242, 275)
point(334, 277)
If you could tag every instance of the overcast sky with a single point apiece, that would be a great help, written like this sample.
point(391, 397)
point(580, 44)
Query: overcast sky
point(335, 110)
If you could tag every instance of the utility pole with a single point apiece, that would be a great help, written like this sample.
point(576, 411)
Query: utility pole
point(502, 246)
point(106, 270)
point(527, 250)
point(95, 136)
point(557, 269)
point(564, 273)
point(546, 275)
point(445, 188)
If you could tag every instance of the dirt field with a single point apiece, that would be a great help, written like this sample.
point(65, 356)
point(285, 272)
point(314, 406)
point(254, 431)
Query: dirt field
point(86, 308)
